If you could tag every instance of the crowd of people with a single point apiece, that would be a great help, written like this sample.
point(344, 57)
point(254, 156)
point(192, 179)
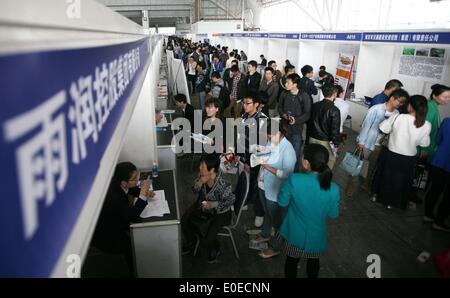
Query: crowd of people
point(292, 192)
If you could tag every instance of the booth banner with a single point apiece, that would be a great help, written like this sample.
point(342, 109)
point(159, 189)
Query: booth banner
point(423, 62)
point(408, 37)
point(331, 36)
point(60, 109)
point(344, 71)
point(258, 35)
point(284, 35)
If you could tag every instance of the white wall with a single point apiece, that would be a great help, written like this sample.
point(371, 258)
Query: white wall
point(276, 50)
point(256, 47)
point(205, 27)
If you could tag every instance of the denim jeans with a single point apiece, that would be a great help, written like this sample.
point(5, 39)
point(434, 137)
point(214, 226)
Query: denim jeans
point(272, 218)
point(202, 97)
point(297, 142)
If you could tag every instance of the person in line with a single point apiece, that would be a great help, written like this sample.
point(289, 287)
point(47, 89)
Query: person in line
point(277, 72)
point(201, 84)
point(252, 119)
point(270, 86)
point(289, 69)
point(237, 88)
point(326, 78)
point(440, 181)
point(306, 83)
point(253, 78)
point(279, 166)
point(185, 109)
point(342, 105)
point(382, 97)
point(215, 198)
point(304, 227)
point(119, 210)
point(294, 106)
point(191, 74)
point(395, 168)
point(440, 96)
point(369, 137)
point(219, 91)
point(324, 123)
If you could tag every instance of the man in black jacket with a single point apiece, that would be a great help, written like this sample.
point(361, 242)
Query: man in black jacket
point(324, 124)
point(253, 77)
point(294, 106)
point(185, 109)
point(112, 231)
point(306, 83)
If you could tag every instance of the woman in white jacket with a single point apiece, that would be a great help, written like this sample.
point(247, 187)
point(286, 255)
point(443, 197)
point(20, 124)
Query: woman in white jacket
point(395, 168)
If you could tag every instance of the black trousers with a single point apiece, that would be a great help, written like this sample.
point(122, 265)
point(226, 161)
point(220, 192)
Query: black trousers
point(440, 184)
point(191, 80)
point(312, 267)
point(210, 242)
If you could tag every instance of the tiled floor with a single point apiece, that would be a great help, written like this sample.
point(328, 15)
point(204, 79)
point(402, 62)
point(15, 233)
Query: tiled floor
point(362, 228)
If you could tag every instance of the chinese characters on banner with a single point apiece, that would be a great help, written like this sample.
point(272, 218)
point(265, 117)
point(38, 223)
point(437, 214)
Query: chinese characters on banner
point(344, 71)
point(59, 112)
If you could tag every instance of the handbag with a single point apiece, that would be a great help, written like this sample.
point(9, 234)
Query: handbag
point(352, 162)
point(384, 140)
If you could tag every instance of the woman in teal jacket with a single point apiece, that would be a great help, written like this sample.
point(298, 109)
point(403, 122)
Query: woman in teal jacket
point(310, 199)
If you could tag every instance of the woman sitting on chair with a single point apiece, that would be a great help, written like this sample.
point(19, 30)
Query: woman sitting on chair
point(211, 211)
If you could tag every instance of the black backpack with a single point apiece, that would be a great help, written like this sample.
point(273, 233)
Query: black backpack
point(224, 97)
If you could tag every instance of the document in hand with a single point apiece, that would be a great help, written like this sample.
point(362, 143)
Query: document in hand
point(259, 158)
point(157, 206)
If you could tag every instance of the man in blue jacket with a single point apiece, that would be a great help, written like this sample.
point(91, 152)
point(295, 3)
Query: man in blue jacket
point(390, 87)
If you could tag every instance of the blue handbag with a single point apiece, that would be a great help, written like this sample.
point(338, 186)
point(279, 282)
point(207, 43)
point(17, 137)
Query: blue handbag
point(352, 163)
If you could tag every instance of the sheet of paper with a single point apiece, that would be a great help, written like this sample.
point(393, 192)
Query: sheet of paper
point(163, 122)
point(200, 138)
point(157, 206)
point(257, 159)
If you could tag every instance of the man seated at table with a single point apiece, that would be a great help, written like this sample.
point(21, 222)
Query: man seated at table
point(119, 210)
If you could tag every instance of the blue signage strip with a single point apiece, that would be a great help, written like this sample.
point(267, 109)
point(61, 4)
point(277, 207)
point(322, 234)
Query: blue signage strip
point(284, 35)
point(331, 36)
point(408, 37)
point(59, 112)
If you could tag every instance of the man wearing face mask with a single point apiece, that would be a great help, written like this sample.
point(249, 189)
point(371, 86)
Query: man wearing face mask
point(119, 210)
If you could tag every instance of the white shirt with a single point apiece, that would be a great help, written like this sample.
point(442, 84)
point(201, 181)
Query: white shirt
point(404, 135)
point(191, 68)
point(228, 63)
point(343, 107)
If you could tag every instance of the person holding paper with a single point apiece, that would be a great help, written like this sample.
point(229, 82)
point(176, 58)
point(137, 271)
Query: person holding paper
point(215, 198)
point(119, 210)
point(279, 166)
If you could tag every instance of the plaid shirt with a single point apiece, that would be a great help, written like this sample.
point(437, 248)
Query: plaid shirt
point(235, 86)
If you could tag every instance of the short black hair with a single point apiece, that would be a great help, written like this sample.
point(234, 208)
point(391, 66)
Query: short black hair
point(322, 73)
point(260, 56)
point(234, 68)
point(393, 84)
point(212, 102)
point(202, 64)
point(322, 67)
point(234, 61)
point(399, 93)
point(180, 97)
point(329, 90)
point(253, 63)
point(212, 161)
point(268, 68)
point(216, 75)
point(306, 69)
point(271, 62)
point(254, 96)
point(231, 54)
point(295, 79)
point(124, 171)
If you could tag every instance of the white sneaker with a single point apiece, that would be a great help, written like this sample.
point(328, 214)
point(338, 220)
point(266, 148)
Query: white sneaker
point(258, 221)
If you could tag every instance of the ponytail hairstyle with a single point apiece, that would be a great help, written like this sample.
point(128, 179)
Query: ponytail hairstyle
point(317, 156)
point(420, 106)
point(438, 89)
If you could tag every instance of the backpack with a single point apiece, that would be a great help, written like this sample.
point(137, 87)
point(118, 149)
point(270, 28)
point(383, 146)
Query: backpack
point(224, 97)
